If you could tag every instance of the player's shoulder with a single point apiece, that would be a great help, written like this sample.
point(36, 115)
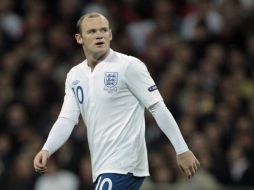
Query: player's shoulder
point(76, 69)
point(127, 60)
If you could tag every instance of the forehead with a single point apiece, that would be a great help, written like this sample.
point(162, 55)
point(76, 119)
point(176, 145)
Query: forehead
point(94, 22)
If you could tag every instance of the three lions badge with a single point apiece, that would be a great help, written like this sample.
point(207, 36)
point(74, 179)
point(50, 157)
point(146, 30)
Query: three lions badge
point(110, 81)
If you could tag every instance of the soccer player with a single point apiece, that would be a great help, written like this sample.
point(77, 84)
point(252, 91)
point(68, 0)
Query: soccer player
point(111, 91)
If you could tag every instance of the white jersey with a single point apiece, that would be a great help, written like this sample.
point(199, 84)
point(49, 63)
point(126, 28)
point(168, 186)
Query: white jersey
point(111, 100)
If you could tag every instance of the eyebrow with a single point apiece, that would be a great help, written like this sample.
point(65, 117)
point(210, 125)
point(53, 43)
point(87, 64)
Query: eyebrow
point(102, 28)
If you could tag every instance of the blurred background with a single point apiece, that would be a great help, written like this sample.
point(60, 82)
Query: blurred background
point(199, 52)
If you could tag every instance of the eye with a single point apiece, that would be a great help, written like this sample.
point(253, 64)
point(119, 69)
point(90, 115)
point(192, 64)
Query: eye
point(104, 30)
point(91, 31)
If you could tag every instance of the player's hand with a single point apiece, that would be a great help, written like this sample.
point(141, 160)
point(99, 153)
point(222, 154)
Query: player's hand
point(188, 163)
point(40, 161)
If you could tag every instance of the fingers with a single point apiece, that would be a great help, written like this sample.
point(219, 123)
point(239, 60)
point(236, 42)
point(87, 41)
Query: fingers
point(39, 168)
point(188, 163)
point(42, 170)
point(191, 170)
point(197, 163)
point(181, 168)
point(186, 171)
point(44, 160)
point(40, 162)
point(195, 166)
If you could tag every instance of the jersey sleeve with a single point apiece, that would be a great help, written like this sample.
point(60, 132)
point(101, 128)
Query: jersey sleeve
point(168, 125)
point(70, 108)
point(141, 84)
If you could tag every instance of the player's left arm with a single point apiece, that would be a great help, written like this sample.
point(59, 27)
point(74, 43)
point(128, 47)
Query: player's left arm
point(186, 160)
point(143, 87)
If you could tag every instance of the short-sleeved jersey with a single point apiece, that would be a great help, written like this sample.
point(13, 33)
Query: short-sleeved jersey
point(111, 100)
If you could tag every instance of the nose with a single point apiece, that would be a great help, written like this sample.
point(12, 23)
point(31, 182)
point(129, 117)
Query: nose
point(99, 35)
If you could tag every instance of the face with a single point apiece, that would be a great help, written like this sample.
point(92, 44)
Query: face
point(95, 36)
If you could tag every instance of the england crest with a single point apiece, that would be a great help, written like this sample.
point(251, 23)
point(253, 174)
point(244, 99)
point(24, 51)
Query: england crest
point(110, 81)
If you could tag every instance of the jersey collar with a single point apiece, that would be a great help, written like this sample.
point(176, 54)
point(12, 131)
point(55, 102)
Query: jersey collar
point(106, 60)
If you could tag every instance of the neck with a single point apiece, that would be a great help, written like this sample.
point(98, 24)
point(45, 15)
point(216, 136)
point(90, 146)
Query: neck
point(93, 60)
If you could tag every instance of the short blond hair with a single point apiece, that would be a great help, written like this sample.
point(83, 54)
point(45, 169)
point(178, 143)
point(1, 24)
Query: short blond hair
point(88, 15)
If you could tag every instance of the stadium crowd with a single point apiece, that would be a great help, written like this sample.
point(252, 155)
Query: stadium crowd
point(200, 53)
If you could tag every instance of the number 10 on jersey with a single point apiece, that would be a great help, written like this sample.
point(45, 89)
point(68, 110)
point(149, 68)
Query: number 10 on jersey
point(79, 93)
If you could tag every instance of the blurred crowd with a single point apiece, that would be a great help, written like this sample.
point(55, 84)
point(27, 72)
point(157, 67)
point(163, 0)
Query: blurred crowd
point(199, 52)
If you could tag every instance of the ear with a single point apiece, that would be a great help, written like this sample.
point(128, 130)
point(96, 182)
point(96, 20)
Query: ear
point(79, 38)
point(110, 33)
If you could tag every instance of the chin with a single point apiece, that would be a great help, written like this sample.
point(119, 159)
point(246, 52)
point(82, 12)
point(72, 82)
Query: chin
point(101, 52)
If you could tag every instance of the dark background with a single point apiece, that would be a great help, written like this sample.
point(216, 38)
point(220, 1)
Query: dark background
point(199, 52)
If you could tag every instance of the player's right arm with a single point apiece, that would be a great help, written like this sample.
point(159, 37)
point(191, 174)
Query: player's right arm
point(61, 129)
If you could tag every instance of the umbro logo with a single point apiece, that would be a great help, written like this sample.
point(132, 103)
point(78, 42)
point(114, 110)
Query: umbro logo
point(75, 82)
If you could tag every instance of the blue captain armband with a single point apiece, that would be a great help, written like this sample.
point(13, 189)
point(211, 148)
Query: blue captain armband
point(152, 88)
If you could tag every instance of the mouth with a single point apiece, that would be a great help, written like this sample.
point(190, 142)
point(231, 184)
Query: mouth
point(99, 43)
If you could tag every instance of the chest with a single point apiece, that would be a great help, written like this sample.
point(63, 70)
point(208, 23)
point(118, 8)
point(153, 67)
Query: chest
point(100, 86)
